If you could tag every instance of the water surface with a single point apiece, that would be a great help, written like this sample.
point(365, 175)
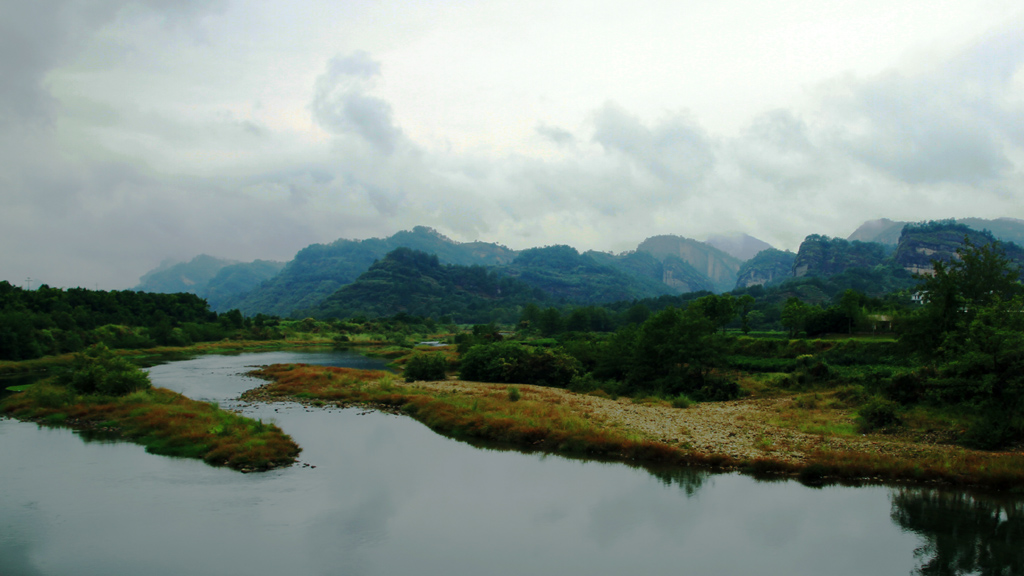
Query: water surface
point(382, 494)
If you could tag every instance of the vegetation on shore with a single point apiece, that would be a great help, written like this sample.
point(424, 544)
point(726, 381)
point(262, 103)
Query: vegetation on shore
point(533, 418)
point(104, 393)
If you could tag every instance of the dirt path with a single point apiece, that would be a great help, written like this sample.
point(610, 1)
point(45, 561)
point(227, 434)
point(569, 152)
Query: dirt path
point(738, 428)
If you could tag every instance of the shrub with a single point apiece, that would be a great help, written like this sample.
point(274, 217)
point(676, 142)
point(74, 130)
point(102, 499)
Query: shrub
point(682, 401)
point(425, 367)
point(509, 362)
point(513, 394)
point(99, 371)
point(878, 413)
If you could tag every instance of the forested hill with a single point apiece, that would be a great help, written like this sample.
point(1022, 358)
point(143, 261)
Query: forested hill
point(215, 279)
point(416, 283)
point(567, 275)
point(887, 231)
point(319, 270)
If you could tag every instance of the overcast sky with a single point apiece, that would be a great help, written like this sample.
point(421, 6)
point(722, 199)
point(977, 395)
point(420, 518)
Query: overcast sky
point(137, 131)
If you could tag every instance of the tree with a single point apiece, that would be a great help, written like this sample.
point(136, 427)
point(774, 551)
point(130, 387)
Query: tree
point(794, 316)
point(956, 292)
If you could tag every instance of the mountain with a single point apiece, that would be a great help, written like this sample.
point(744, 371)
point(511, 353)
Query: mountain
point(416, 283)
point(1004, 229)
point(191, 276)
point(924, 242)
point(565, 274)
point(767, 268)
point(319, 270)
point(714, 265)
point(645, 269)
point(236, 279)
point(823, 256)
point(882, 231)
point(887, 231)
point(742, 246)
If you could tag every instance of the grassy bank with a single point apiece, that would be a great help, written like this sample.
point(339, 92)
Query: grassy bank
point(164, 422)
point(533, 418)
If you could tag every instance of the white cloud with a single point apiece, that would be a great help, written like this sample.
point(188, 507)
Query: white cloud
point(133, 131)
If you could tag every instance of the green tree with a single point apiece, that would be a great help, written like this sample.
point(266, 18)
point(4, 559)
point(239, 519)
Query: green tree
point(794, 316)
point(956, 292)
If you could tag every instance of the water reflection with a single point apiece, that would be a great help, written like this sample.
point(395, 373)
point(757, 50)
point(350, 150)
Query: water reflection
point(963, 533)
point(388, 496)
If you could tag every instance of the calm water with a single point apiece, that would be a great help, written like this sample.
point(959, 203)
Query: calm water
point(382, 494)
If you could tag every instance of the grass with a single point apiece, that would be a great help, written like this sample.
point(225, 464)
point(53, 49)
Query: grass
point(534, 421)
point(538, 420)
point(164, 422)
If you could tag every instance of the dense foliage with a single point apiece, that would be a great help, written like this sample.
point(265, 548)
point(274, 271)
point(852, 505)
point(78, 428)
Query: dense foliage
point(99, 371)
point(49, 321)
point(515, 363)
point(416, 283)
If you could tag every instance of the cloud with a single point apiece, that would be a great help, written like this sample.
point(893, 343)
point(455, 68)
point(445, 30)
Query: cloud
point(342, 105)
point(951, 123)
point(555, 134)
point(674, 149)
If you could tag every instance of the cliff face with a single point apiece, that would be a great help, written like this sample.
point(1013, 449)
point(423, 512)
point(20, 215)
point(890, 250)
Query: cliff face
point(823, 256)
point(920, 244)
point(720, 268)
point(768, 267)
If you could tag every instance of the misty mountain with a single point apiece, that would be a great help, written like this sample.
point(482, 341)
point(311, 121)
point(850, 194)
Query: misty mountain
point(565, 274)
point(319, 270)
point(885, 231)
point(742, 246)
point(416, 283)
point(191, 276)
point(711, 264)
point(215, 279)
point(767, 268)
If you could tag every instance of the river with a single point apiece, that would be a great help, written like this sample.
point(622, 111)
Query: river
point(381, 494)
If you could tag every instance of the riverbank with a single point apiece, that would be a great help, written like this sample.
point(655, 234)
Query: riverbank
point(163, 421)
point(748, 435)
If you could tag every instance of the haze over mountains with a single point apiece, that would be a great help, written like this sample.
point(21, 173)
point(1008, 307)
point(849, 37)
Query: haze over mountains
point(660, 265)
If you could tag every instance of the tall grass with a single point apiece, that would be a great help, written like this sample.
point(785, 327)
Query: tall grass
point(164, 422)
point(537, 421)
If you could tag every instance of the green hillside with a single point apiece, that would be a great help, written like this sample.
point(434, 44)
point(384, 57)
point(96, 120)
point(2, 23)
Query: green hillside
point(416, 283)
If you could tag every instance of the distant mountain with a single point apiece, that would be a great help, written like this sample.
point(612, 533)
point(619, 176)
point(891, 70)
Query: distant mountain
point(218, 280)
point(742, 246)
point(1004, 229)
point(191, 276)
point(234, 280)
point(416, 283)
point(924, 242)
point(885, 231)
point(565, 274)
point(823, 256)
point(645, 269)
point(319, 270)
point(713, 265)
point(767, 268)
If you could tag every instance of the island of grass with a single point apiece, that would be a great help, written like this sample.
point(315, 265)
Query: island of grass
point(106, 393)
point(643, 430)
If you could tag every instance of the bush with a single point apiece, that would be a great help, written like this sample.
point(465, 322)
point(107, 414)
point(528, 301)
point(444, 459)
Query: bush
point(682, 401)
point(513, 394)
point(426, 367)
point(878, 413)
point(510, 362)
point(99, 371)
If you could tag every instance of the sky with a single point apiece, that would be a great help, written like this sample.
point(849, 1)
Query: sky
point(134, 132)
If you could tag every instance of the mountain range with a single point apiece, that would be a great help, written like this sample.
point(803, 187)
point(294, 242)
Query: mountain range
point(660, 265)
